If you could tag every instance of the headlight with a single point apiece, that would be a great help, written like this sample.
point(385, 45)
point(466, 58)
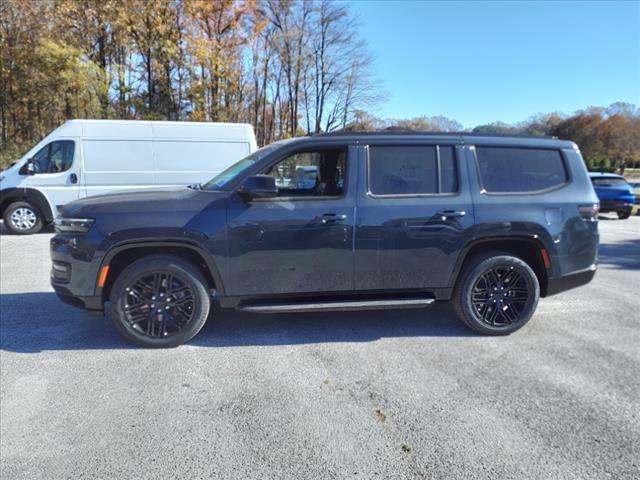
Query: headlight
point(73, 225)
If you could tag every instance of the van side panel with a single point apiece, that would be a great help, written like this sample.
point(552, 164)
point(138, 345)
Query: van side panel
point(113, 165)
point(124, 155)
point(194, 161)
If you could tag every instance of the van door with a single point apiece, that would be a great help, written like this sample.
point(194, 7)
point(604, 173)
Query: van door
point(57, 171)
point(414, 213)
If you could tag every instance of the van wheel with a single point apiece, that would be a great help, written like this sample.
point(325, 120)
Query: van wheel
point(160, 301)
point(23, 218)
point(623, 215)
point(496, 294)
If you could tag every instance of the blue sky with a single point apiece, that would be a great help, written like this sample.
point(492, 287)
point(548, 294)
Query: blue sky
point(479, 62)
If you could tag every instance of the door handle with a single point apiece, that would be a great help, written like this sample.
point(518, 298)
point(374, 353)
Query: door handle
point(331, 217)
point(444, 214)
point(73, 178)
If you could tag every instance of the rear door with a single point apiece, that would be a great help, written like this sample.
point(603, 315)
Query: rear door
point(414, 211)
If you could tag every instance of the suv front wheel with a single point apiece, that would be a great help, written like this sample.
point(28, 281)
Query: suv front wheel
point(496, 294)
point(160, 301)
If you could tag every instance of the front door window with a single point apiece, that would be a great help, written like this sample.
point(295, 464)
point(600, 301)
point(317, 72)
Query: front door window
point(310, 174)
point(54, 157)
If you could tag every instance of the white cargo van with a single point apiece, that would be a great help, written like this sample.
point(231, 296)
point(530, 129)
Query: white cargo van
point(82, 158)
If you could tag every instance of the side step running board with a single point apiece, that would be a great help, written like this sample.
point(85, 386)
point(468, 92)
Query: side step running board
point(341, 306)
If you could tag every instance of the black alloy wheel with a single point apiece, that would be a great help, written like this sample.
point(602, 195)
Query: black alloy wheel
point(158, 304)
point(500, 296)
point(160, 301)
point(496, 293)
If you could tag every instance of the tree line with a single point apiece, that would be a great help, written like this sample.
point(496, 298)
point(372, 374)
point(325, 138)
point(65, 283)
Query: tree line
point(288, 67)
point(608, 137)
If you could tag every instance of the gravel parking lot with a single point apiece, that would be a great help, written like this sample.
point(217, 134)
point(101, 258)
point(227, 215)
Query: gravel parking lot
point(397, 394)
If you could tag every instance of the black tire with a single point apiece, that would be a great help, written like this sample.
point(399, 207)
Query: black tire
point(156, 327)
point(22, 218)
point(623, 215)
point(476, 301)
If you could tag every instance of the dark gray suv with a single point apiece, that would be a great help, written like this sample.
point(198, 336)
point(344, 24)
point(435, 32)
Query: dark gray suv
point(339, 222)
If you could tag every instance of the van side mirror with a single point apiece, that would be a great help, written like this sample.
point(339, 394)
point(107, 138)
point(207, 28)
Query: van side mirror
point(258, 186)
point(28, 168)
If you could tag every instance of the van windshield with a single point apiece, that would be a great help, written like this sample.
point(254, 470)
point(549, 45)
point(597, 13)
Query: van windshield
point(223, 178)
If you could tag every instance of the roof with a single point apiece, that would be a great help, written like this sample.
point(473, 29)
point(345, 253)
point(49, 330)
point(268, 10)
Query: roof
point(604, 175)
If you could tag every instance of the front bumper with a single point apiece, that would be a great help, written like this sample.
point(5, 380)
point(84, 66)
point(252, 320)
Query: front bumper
point(92, 304)
point(74, 272)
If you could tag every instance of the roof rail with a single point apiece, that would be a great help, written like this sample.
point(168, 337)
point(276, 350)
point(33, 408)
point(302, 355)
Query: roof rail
point(339, 133)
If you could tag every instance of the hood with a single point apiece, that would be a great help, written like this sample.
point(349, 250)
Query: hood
point(133, 201)
point(141, 209)
point(10, 177)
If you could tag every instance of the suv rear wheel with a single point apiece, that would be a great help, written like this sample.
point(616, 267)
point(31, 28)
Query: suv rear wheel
point(496, 294)
point(160, 301)
point(624, 214)
point(23, 218)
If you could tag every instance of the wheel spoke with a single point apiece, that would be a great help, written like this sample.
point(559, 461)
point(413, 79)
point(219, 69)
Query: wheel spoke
point(511, 278)
point(509, 314)
point(491, 315)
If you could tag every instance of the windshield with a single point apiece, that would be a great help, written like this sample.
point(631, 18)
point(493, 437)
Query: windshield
point(219, 181)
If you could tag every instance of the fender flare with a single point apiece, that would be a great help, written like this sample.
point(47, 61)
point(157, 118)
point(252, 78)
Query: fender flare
point(27, 194)
point(464, 254)
point(179, 243)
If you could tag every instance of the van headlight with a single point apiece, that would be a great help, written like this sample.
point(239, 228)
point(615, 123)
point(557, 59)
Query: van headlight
point(73, 225)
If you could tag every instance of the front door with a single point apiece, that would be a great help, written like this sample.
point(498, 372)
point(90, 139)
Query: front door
point(57, 172)
point(302, 240)
point(414, 213)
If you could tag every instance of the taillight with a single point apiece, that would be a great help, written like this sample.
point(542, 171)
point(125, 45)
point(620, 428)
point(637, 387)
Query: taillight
point(589, 213)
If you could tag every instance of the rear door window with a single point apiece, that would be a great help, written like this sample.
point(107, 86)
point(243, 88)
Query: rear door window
point(520, 170)
point(412, 170)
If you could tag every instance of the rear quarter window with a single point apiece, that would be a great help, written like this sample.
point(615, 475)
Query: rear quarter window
point(520, 170)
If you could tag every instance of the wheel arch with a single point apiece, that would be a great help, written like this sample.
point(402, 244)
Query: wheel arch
point(26, 194)
point(530, 250)
point(117, 258)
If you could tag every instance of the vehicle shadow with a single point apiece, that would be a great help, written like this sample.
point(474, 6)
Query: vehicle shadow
point(623, 255)
point(33, 322)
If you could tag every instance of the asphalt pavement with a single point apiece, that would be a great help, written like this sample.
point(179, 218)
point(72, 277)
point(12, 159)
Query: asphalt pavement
point(396, 394)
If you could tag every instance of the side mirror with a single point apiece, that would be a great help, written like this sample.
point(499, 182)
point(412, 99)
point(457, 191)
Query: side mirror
point(258, 186)
point(28, 168)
